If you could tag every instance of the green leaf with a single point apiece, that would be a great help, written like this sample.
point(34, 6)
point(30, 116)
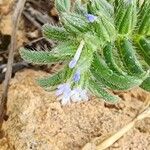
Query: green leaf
point(98, 90)
point(146, 84)
point(54, 79)
point(129, 58)
point(144, 47)
point(111, 59)
point(63, 5)
point(101, 31)
point(75, 23)
point(104, 29)
point(40, 57)
point(144, 19)
point(126, 16)
point(65, 49)
point(55, 32)
point(99, 7)
point(110, 28)
point(79, 8)
point(104, 75)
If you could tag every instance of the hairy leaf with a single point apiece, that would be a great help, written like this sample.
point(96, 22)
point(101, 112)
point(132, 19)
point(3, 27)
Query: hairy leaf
point(102, 73)
point(55, 32)
point(126, 16)
point(99, 7)
point(104, 29)
point(65, 49)
point(101, 92)
point(63, 5)
point(128, 56)
point(144, 47)
point(80, 8)
point(75, 23)
point(54, 79)
point(40, 57)
point(144, 19)
point(111, 60)
point(146, 84)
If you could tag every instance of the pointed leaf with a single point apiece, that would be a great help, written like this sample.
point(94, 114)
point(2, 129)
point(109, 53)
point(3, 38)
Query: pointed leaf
point(101, 92)
point(40, 57)
point(111, 59)
point(99, 7)
point(144, 19)
point(126, 16)
point(63, 5)
point(75, 23)
point(129, 58)
point(103, 74)
point(144, 47)
point(146, 84)
point(54, 79)
point(79, 8)
point(65, 49)
point(55, 32)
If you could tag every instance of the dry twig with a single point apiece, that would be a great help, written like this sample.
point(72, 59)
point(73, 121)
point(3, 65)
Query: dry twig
point(15, 22)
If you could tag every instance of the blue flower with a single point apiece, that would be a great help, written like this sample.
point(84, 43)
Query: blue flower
point(72, 63)
point(76, 57)
point(75, 96)
point(83, 94)
point(63, 88)
point(76, 76)
point(64, 93)
point(91, 18)
point(66, 97)
point(79, 94)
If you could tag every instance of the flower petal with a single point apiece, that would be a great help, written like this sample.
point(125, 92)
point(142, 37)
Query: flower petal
point(75, 96)
point(59, 92)
point(72, 63)
point(65, 100)
point(76, 76)
point(84, 95)
point(91, 18)
point(60, 86)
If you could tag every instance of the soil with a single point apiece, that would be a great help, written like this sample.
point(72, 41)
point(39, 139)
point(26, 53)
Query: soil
point(37, 120)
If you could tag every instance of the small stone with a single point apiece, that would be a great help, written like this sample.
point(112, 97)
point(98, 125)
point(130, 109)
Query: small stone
point(121, 105)
point(116, 145)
